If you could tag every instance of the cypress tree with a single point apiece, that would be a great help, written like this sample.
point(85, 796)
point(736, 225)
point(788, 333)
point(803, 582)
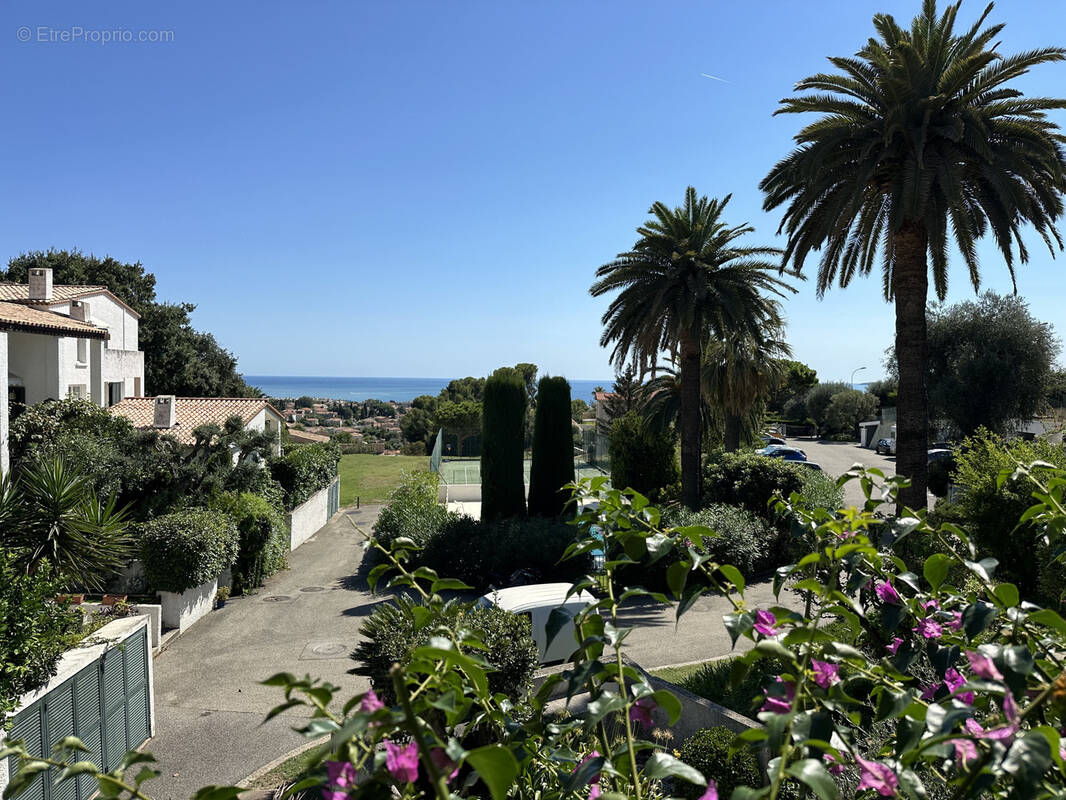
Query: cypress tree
point(553, 448)
point(503, 419)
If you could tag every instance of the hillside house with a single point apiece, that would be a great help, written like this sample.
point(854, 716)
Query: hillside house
point(181, 416)
point(26, 330)
point(104, 369)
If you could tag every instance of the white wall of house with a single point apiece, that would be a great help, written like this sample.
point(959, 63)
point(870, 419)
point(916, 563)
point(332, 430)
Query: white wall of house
point(267, 420)
point(34, 358)
point(119, 362)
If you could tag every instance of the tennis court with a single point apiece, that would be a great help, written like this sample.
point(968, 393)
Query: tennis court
point(463, 471)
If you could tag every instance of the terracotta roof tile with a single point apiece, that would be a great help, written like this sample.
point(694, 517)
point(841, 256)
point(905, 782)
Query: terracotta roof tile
point(17, 317)
point(61, 293)
point(191, 412)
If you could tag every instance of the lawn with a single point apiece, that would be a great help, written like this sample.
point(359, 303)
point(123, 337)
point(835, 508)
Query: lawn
point(371, 477)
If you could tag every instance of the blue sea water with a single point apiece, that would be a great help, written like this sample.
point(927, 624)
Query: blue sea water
point(398, 389)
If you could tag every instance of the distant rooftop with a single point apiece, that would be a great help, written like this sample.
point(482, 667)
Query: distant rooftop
point(191, 412)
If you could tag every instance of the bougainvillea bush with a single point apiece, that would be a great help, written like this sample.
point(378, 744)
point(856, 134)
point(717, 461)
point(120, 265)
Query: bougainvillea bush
point(889, 683)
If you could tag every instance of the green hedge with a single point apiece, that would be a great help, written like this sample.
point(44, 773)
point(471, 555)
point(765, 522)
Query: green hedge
point(708, 751)
point(263, 537)
point(33, 630)
point(641, 459)
point(744, 540)
point(395, 629)
point(305, 469)
point(187, 548)
point(749, 480)
point(412, 510)
point(487, 554)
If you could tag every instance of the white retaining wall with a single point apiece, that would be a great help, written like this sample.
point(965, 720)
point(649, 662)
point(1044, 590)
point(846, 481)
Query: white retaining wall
point(308, 518)
point(183, 610)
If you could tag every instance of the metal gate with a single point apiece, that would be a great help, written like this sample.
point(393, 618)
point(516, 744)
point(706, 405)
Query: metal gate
point(106, 705)
point(334, 498)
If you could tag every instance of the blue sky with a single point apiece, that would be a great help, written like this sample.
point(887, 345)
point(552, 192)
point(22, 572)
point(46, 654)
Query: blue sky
point(414, 189)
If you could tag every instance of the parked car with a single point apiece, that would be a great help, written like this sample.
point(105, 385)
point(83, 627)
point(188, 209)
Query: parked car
point(788, 453)
point(939, 454)
point(767, 439)
point(536, 602)
point(886, 447)
point(765, 451)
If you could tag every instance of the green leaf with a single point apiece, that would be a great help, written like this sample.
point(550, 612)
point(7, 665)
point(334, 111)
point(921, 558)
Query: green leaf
point(217, 793)
point(912, 785)
point(496, 766)
point(1049, 618)
point(732, 574)
point(663, 765)
point(811, 773)
point(772, 647)
point(557, 620)
point(669, 703)
point(936, 569)
point(1007, 594)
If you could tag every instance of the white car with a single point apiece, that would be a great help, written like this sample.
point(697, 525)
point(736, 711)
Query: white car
point(536, 602)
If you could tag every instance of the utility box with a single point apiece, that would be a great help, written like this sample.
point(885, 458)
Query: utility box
point(536, 602)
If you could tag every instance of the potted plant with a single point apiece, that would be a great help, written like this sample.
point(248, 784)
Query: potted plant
point(221, 596)
point(112, 599)
point(71, 599)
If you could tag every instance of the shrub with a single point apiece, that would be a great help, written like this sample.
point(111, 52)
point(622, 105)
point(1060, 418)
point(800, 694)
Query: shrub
point(187, 548)
point(503, 491)
point(488, 554)
point(708, 751)
point(749, 480)
point(553, 449)
point(819, 489)
point(641, 459)
point(395, 629)
point(263, 537)
point(305, 469)
point(711, 681)
point(412, 510)
point(743, 540)
point(32, 630)
point(990, 513)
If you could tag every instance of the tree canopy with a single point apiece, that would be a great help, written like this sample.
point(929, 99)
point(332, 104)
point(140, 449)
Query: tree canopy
point(178, 359)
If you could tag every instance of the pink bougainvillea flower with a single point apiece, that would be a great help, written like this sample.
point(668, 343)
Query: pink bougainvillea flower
point(954, 681)
point(984, 667)
point(443, 763)
point(955, 623)
point(887, 593)
point(930, 604)
point(894, 647)
point(877, 776)
point(370, 703)
point(833, 765)
point(973, 727)
point(402, 762)
point(711, 793)
point(340, 778)
point(928, 693)
point(765, 623)
point(1003, 732)
point(825, 674)
point(641, 711)
point(965, 750)
point(594, 781)
point(929, 628)
point(780, 705)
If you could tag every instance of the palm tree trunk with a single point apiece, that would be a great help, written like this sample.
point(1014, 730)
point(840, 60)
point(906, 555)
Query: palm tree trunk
point(691, 428)
point(731, 435)
point(910, 286)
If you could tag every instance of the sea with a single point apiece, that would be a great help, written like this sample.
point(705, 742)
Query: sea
point(399, 389)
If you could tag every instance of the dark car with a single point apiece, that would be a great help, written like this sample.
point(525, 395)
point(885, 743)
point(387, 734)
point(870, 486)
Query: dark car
point(886, 447)
point(939, 454)
point(767, 439)
point(788, 453)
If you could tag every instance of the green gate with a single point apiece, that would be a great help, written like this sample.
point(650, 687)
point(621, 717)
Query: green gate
point(106, 705)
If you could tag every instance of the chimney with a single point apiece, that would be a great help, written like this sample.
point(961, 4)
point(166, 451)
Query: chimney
point(79, 310)
point(41, 284)
point(164, 411)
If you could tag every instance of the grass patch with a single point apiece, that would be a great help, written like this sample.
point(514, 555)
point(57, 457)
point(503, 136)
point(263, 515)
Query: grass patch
point(372, 477)
point(676, 674)
point(711, 681)
point(286, 772)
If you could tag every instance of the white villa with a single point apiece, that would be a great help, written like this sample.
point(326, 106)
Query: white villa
point(104, 367)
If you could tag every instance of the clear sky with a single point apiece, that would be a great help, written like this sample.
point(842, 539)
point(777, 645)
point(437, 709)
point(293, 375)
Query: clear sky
point(426, 188)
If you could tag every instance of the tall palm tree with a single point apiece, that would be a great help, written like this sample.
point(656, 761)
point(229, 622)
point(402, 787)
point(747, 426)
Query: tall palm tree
point(686, 274)
point(738, 374)
point(918, 134)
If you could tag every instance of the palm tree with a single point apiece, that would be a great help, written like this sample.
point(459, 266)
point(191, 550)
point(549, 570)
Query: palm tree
point(918, 134)
point(738, 374)
point(686, 274)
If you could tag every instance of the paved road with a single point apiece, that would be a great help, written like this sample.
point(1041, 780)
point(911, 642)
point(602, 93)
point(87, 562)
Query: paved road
point(836, 458)
point(209, 706)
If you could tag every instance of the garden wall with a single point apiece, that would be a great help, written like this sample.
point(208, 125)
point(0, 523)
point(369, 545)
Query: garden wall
point(153, 612)
point(308, 518)
point(103, 694)
point(184, 610)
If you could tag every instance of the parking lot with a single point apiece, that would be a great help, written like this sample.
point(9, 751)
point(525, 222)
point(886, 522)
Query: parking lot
point(836, 458)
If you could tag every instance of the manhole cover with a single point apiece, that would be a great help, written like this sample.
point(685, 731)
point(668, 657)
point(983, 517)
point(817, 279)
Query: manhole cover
point(313, 589)
point(277, 598)
point(323, 650)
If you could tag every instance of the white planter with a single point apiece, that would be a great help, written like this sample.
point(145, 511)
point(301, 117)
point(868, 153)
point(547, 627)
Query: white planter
point(183, 610)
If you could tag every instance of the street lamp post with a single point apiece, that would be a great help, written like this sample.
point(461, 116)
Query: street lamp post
point(857, 369)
